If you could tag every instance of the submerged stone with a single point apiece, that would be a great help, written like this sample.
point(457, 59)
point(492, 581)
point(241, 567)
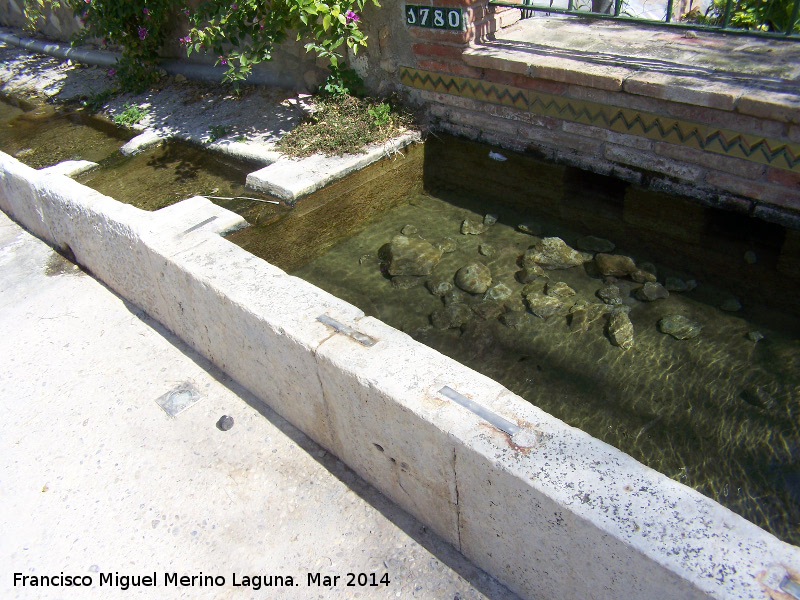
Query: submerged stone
point(731, 305)
point(455, 296)
point(591, 243)
point(530, 273)
point(472, 228)
point(406, 282)
point(514, 320)
point(488, 309)
point(489, 220)
point(620, 328)
point(454, 315)
point(409, 230)
point(552, 253)
point(610, 294)
point(544, 306)
point(558, 289)
point(410, 256)
point(447, 245)
point(675, 284)
point(486, 249)
point(439, 287)
point(531, 227)
point(498, 292)
point(616, 265)
point(650, 292)
point(643, 276)
point(755, 336)
point(474, 278)
point(679, 327)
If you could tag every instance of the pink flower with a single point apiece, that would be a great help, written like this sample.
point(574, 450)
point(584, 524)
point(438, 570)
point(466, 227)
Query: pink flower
point(146, 10)
point(186, 11)
point(142, 33)
point(223, 60)
point(111, 72)
point(350, 16)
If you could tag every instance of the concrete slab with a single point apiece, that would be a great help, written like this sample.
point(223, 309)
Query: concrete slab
point(97, 479)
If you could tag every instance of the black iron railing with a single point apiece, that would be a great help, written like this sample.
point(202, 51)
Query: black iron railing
point(759, 18)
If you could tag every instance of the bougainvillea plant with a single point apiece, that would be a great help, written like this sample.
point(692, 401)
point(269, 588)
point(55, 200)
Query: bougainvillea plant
point(140, 26)
point(245, 32)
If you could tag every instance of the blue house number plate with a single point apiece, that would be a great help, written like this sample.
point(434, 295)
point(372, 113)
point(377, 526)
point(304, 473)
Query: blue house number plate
point(435, 18)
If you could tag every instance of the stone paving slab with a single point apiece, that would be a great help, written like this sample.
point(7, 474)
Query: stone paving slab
point(96, 478)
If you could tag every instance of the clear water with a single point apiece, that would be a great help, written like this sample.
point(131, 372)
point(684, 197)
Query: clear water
point(43, 136)
point(175, 171)
point(720, 413)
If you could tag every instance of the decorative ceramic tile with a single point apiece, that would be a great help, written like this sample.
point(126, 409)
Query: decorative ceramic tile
point(782, 155)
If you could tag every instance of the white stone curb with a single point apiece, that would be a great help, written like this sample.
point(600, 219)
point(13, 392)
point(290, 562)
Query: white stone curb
point(567, 516)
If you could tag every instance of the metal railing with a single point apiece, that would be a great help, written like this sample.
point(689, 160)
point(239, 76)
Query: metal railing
point(715, 19)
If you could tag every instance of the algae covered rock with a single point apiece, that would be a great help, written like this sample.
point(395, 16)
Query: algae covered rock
point(530, 273)
point(497, 292)
point(615, 265)
point(620, 328)
point(474, 278)
point(610, 294)
point(469, 227)
point(679, 327)
point(406, 282)
point(454, 315)
point(552, 253)
point(544, 306)
point(650, 292)
point(592, 243)
point(558, 289)
point(410, 256)
point(447, 245)
point(439, 287)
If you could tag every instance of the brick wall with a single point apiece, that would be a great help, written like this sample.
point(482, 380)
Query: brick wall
point(724, 144)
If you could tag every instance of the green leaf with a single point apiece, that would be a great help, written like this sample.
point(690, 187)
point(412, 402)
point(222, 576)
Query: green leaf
point(326, 22)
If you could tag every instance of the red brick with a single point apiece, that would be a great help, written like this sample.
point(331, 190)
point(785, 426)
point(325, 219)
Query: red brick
point(784, 178)
point(757, 190)
point(438, 50)
point(451, 68)
point(606, 135)
point(483, 122)
point(467, 132)
point(433, 35)
point(562, 141)
point(652, 162)
point(718, 162)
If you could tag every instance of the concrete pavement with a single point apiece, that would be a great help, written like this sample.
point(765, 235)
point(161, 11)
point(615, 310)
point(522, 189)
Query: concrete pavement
point(96, 480)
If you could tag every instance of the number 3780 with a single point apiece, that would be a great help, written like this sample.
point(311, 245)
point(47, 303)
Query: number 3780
point(435, 18)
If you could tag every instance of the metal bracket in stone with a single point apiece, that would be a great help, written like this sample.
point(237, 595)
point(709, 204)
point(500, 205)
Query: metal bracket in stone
point(361, 338)
point(179, 399)
point(199, 225)
point(501, 423)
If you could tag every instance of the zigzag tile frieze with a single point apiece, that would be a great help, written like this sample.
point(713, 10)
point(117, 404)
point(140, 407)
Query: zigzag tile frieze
point(782, 155)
